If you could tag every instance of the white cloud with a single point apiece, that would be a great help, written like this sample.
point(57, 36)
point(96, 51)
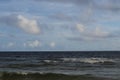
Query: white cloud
point(80, 27)
point(33, 44)
point(11, 44)
point(97, 32)
point(52, 44)
point(28, 25)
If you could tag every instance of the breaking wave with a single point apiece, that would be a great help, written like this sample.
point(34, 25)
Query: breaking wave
point(89, 60)
point(82, 60)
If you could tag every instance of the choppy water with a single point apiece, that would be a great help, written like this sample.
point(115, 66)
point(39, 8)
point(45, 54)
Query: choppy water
point(102, 64)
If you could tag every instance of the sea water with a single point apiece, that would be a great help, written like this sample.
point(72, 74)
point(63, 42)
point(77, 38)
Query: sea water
point(100, 64)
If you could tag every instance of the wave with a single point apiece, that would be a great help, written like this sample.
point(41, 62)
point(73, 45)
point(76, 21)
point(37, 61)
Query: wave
point(89, 60)
point(50, 61)
point(63, 62)
point(47, 76)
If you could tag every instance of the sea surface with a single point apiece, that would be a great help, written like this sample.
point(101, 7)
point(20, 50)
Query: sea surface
point(100, 64)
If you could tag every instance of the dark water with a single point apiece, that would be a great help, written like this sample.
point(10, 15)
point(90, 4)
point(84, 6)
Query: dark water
point(101, 64)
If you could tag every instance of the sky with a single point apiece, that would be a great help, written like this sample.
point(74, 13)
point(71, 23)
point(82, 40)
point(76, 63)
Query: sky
point(59, 25)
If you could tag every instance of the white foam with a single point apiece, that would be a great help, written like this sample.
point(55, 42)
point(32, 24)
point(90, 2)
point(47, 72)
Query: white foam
point(49, 61)
point(88, 60)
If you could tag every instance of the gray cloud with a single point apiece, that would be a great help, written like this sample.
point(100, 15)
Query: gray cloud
point(111, 5)
point(75, 39)
point(5, 0)
point(61, 16)
point(2, 35)
point(7, 35)
point(69, 1)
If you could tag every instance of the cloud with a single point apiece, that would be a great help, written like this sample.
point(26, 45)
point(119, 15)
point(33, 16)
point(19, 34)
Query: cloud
point(69, 1)
point(52, 44)
point(5, 1)
point(109, 5)
point(2, 35)
point(80, 27)
point(7, 35)
point(33, 44)
point(22, 22)
point(11, 44)
point(62, 17)
point(86, 34)
point(99, 33)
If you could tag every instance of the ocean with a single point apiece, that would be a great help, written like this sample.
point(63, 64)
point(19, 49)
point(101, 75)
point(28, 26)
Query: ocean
point(96, 63)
